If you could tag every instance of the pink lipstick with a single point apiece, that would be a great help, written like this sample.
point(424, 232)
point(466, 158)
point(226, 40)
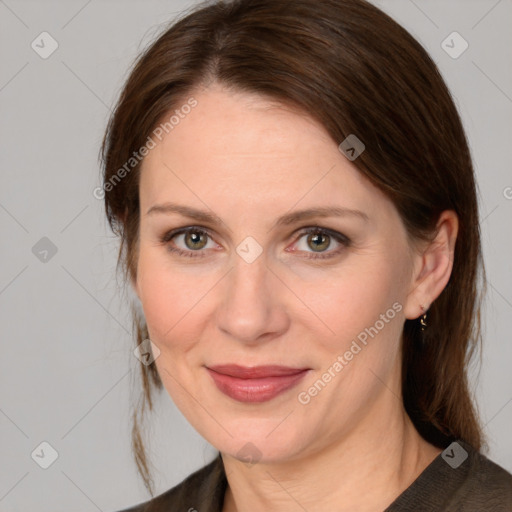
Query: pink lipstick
point(257, 383)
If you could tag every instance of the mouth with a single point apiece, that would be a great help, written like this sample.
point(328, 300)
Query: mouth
point(255, 384)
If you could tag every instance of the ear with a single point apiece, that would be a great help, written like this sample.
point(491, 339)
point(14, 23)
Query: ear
point(433, 263)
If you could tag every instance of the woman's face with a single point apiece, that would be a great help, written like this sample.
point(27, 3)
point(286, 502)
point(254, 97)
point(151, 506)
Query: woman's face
point(255, 288)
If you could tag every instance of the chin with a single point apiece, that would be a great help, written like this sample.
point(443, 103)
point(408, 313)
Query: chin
point(254, 441)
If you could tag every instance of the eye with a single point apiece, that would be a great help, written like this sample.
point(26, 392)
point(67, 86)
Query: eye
point(192, 238)
point(319, 239)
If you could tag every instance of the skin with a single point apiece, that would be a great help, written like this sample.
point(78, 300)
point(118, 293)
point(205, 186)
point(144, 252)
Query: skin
point(249, 161)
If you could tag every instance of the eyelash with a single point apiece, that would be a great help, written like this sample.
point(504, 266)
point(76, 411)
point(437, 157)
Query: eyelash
point(317, 230)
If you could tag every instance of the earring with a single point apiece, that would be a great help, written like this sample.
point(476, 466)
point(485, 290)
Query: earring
point(423, 319)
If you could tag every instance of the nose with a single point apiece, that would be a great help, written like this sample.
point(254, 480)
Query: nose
point(252, 309)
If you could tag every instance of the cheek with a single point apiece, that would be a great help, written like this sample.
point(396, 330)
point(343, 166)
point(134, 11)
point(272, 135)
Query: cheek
point(363, 311)
point(353, 298)
point(166, 294)
point(171, 309)
point(177, 303)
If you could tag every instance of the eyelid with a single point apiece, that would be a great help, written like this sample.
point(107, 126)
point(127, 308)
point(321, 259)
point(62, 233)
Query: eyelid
point(342, 239)
point(166, 238)
point(168, 235)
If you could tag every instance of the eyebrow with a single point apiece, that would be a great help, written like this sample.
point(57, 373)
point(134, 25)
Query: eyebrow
point(285, 220)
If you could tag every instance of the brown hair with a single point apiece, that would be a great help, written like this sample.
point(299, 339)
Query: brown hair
point(355, 70)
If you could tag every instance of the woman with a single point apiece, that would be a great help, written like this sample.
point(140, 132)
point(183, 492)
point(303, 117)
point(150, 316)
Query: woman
point(297, 209)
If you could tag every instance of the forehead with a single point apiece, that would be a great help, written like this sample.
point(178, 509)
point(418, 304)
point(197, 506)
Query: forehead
point(227, 124)
point(242, 147)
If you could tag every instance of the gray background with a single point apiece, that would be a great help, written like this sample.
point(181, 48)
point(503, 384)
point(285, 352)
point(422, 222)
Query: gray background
point(67, 365)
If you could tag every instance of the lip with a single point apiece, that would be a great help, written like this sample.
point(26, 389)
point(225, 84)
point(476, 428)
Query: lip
point(255, 384)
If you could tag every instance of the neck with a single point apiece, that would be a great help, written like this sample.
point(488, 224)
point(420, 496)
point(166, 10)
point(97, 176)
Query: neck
point(384, 453)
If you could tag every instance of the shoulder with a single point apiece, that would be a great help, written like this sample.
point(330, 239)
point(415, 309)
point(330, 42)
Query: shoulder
point(202, 490)
point(460, 479)
point(488, 486)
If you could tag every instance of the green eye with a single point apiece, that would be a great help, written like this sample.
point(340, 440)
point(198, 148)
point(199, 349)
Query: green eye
point(318, 240)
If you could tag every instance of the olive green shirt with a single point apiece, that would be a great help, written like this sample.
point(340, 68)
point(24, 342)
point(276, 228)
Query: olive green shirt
point(460, 479)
